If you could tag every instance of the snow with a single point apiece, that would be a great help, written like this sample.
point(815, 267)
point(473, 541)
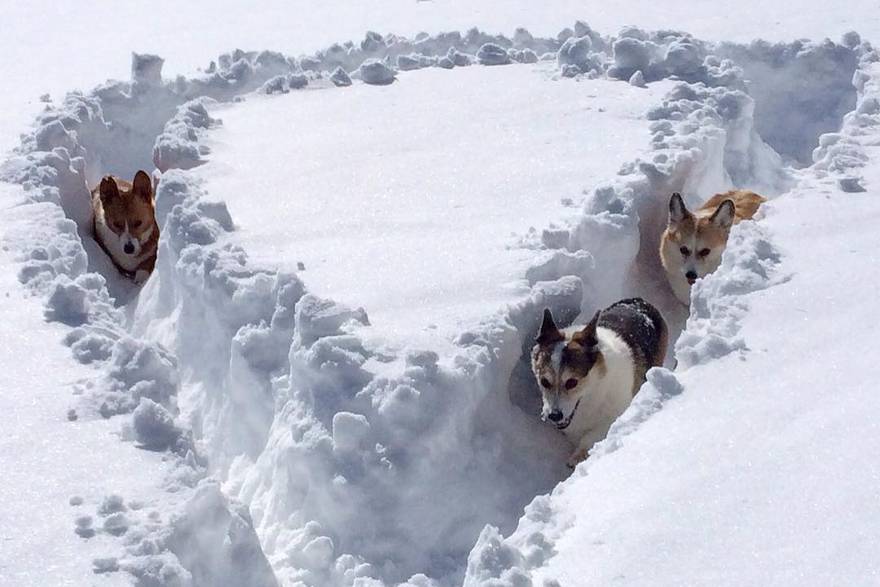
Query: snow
point(408, 209)
point(267, 410)
point(50, 463)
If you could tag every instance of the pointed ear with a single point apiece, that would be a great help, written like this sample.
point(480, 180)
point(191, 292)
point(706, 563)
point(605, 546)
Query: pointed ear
point(724, 215)
point(108, 189)
point(586, 337)
point(677, 210)
point(142, 186)
point(548, 334)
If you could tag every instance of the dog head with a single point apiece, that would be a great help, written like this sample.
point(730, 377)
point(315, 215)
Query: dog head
point(564, 366)
point(693, 244)
point(128, 212)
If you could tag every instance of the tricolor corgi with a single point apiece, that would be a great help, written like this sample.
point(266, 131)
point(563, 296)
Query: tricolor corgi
point(125, 224)
point(589, 374)
point(693, 242)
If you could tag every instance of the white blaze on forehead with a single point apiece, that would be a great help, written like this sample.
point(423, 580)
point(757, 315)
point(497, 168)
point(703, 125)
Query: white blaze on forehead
point(556, 357)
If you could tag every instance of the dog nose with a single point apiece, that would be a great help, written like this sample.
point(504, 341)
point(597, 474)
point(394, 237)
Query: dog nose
point(691, 276)
point(555, 416)
point(128, 248)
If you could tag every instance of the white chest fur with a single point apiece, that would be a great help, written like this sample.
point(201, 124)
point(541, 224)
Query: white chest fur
point(607, 395)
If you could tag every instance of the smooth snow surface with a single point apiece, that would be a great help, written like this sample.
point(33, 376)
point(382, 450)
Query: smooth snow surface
point(412, 200)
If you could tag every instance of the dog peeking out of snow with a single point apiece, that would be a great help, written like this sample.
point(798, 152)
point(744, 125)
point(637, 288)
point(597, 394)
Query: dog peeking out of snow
point(693, 242)
point(125, 224)
point(589, 374)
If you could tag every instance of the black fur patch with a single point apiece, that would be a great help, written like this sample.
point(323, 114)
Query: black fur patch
point(641, 326)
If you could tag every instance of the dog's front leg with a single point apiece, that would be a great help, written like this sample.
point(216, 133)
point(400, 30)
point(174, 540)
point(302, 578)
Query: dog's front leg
point(584, 445)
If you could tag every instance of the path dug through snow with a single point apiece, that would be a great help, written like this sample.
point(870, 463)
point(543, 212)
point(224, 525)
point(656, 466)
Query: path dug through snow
point(412, 200)
point(359, 462)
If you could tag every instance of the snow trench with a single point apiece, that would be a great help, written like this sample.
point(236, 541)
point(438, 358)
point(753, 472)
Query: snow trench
point(304, 456)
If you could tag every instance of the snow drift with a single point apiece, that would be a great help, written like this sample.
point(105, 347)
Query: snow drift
point(352, 466)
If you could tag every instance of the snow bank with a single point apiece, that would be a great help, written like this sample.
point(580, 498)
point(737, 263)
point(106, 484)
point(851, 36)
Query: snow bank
point(719, 302)
point(360, 465)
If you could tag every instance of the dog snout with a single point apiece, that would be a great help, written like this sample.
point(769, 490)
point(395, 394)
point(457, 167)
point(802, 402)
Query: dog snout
point(128, 248)
point(691, 276)
point(555, 416)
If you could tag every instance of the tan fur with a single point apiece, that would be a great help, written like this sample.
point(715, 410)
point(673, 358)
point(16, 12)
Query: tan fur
point(703, 233)
point(746, 202)
point(130, 207)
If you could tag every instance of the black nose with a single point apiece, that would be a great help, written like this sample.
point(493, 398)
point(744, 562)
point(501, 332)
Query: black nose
point(555, 416)
point(691, 275)
point(128, 248)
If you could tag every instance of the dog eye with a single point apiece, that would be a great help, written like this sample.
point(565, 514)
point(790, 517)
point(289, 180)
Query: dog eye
point(704, 252)
point(136, 224)
point(685, 251)
point(571, 384)
point(545, 382)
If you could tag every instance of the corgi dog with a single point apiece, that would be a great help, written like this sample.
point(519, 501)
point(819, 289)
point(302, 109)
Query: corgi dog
point(125, 224)
point(589, 374)
point(692, 244)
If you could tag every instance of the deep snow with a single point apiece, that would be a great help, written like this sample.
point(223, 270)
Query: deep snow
point(417, 201)
point(336, 446)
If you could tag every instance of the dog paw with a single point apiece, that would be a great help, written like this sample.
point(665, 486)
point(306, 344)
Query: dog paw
point(576, 457)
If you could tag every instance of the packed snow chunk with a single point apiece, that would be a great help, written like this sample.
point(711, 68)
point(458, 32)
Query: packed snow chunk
point(349, 430)
point(851, 185)
point(575, 52)
point(631, 55)
point(341, 79)
point(375, 72)
point(215, 541)
point(116, 524)
point(317, 318)
point(275, 85)
point(105, 565)
point(414, 61)
point(528, 56)
point(637, 79)
point(297, 81)
point(492, 563)
point(153, 426)
point(111, 504)
point(146, 69)
point(683, 58)
point(445, 63)
point(492, 54)
point(145, 369)
point(458, 58)
point(68, 302)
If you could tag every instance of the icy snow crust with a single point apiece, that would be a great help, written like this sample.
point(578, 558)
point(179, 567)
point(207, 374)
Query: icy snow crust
point(354, 468)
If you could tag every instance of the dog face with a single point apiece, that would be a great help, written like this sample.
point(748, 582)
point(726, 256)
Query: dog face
point(692, 245)
point(128, 213)
point(564, 366)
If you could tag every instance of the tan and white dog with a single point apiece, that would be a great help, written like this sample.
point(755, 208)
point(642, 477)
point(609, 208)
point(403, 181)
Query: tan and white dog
point(589, 374)
point(693, 242)
point(125, 224)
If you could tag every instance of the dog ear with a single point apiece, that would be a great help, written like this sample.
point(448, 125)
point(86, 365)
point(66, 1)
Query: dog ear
point(142, 186)
point(724, 215)
point(548, 334)
point(587, 336)
point(677, 210)
point(108, 189)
